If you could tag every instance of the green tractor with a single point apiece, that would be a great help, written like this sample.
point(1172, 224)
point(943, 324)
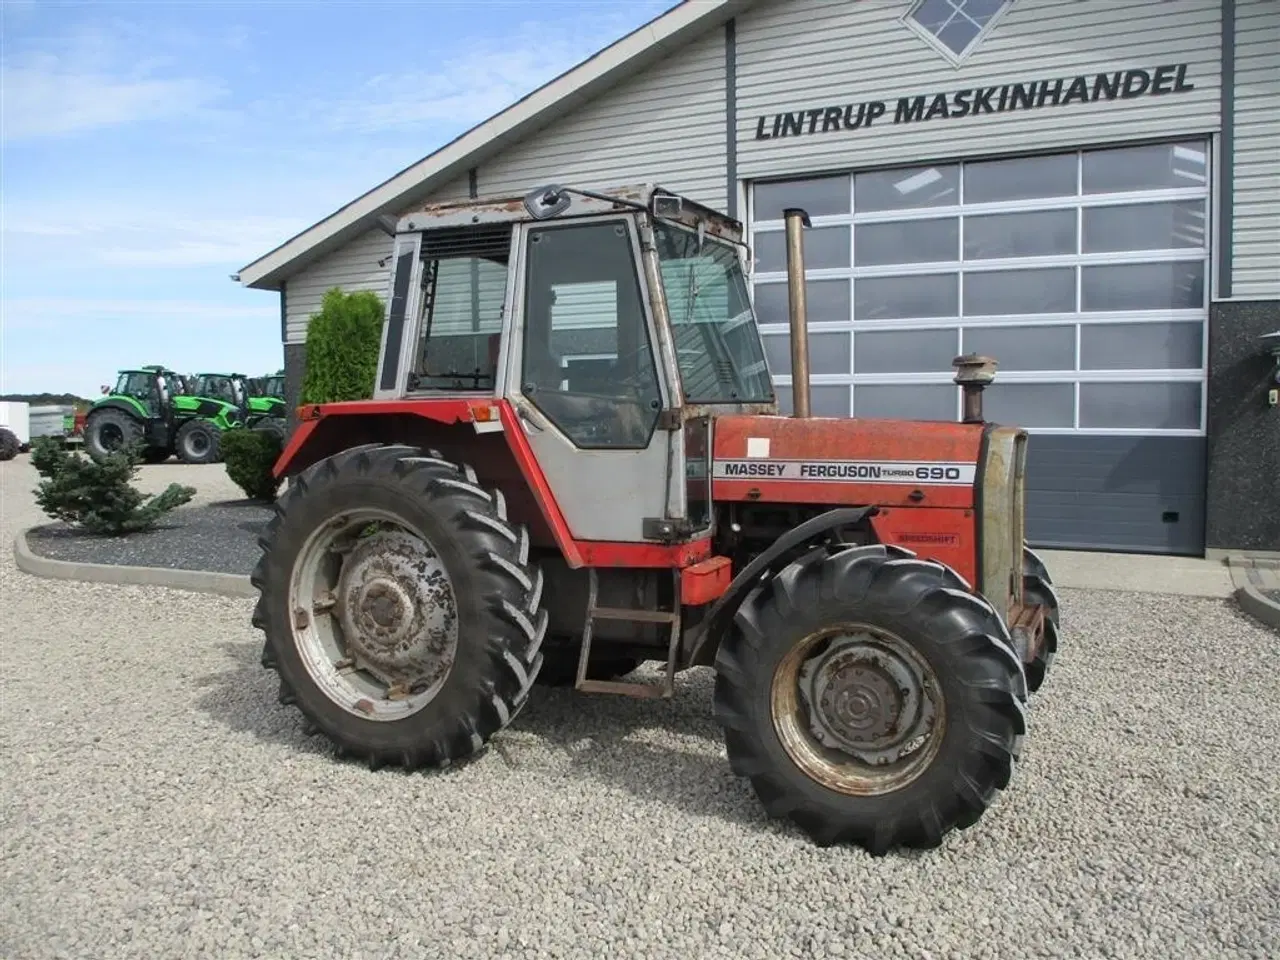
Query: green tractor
point(160, 409)
point(260, 409)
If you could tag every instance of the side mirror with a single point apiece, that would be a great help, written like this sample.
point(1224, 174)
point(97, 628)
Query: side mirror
point(667, 206)
point(546, 202)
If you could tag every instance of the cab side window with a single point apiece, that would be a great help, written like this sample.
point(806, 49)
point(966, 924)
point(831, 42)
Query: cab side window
point(588, 361)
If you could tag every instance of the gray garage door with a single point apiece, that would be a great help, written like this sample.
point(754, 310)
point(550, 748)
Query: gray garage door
point(1084, 273)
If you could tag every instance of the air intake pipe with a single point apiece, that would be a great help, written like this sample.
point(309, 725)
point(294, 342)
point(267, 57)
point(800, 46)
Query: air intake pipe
point(973, 374)
point(796, 219)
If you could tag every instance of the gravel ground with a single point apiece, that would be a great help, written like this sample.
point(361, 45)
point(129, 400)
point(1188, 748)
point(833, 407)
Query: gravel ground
point(209, 536)
point(159, 803)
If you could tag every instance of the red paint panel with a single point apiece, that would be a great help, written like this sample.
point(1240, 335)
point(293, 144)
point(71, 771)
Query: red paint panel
point(600, 553)
point(948, 536)
point(705, 581)
point(442, 409)
point(815, 442)
point(294, 446)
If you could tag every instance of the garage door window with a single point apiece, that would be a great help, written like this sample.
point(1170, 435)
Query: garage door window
point(1084, 274)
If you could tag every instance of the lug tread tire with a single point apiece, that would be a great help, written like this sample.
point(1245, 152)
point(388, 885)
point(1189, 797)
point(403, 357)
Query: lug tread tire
point(1037, 587)
point(501, 620)
point(130, 429)
point(214, 452)
point(959, 633)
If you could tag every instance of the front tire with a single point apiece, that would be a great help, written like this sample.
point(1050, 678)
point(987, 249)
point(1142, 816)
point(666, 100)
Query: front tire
point(198, 441)
point(1037, 588)
point(399, 606)
point(869, 700)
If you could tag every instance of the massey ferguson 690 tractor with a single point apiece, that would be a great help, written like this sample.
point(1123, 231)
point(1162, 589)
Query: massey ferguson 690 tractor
point(574, 462)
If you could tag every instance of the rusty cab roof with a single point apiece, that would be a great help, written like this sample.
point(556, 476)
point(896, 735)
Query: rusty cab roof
point(508, 209)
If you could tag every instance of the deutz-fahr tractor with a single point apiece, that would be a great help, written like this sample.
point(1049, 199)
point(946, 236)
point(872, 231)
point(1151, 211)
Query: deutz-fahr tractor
point(258, 411)
point(155, 406)
point(573, 462)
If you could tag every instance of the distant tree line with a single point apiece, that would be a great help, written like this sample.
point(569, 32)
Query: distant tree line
point(46, 399)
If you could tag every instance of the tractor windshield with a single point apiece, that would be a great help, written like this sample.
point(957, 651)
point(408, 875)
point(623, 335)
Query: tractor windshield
point(134, 383)
point(717, 342)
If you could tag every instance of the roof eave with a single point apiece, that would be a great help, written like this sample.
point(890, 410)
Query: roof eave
point(560, 96)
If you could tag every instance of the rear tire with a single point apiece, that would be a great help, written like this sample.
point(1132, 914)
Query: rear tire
point(273, 425)
point(109, 430)
point(1037, 588)
point(890, 623)
point(452, 590)
point(198, 441)
point(9, 445)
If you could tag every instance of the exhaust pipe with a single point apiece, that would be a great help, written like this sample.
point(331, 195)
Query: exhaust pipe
point(973, 373)
point(798, 311)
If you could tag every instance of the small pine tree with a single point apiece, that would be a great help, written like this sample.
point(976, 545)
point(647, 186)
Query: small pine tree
point(99, 497)
point(342, 347)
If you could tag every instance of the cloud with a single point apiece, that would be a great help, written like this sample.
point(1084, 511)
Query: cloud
point(63, 315)
point(87, 81)
point(147, 237)
point(466, 89)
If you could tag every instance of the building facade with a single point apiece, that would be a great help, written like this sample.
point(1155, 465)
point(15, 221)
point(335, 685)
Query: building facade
point(1090, 193)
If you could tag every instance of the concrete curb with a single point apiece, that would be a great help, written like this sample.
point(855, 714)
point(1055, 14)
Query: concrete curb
point(1251, 576)
point(1259, 606)
point(196, 581)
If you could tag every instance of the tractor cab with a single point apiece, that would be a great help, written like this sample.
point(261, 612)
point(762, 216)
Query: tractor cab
point(151, 388)
point(227, 387)
point(616, 324)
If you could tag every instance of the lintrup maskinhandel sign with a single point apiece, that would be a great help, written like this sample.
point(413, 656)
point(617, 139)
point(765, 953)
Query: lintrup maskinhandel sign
point(974, 101)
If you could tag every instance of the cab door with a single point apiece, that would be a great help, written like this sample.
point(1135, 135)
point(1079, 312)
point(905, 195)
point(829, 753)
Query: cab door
point(586, 381)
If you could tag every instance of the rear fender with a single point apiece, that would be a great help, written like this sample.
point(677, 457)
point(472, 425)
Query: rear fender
point(327, 430)
point(766, 564)
point(487, 435)
point(127, 404)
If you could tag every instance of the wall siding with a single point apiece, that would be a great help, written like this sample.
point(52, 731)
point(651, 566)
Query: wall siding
point(665, 126)
point(353, 267)
point(805, 54)
point(1256, 237)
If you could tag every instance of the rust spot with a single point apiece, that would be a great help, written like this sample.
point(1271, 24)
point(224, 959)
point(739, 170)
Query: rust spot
point(365, 706)
point(301, 619)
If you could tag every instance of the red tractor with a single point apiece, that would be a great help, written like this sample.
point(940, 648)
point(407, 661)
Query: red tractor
point(573, 462)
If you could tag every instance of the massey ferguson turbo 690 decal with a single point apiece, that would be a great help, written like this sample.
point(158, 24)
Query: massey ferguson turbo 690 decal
point(847, 471)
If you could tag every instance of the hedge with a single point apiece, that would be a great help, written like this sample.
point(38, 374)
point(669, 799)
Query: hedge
point(342, 347)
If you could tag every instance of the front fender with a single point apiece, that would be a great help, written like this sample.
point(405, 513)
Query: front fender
point(766, 563)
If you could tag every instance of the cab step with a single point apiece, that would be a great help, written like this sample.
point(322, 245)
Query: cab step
point(664, 690)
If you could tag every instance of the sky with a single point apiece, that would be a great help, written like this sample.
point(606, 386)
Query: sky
point(149, 150)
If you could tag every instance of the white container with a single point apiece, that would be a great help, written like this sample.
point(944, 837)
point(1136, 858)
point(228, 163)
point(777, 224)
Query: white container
point(47, 421)
point(16, 417)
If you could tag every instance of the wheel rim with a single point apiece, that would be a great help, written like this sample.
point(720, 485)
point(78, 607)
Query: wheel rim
point(858, 710)
point(110, 436)
point(374, 615)
point(197, 444)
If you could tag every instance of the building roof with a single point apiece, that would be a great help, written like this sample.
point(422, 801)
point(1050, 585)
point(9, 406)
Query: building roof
point(658, 38)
